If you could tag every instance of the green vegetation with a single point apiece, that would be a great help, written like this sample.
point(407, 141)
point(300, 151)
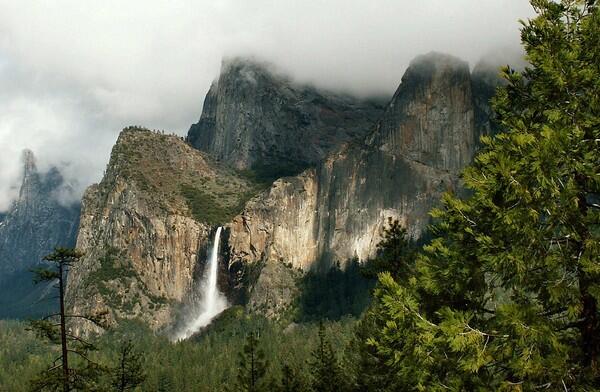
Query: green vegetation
point(292, 380)
point(173, 177)
point(333, 294)
point(252, 366)
point(203, 363)
point(205, 207)
point(115, 275)
point(326, 373)
point(216, 201)
point(72, 369)
point(112, 265)
point(129, 370)
point(396, 253)
point(505, 296)
point(22, 357)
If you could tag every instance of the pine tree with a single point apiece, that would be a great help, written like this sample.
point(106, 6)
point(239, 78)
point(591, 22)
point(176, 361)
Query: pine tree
point(165, 383)
point(291, 380)
point(326, 374)
point(129, 372)
point(395, 253)
point(64, 373)
point(506, 296)
point(368, 371)
point(252, 366)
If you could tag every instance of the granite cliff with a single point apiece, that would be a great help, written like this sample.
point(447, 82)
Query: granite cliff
point(35, 223)
point(144, 228)
point(336, 211)
point(254, 117)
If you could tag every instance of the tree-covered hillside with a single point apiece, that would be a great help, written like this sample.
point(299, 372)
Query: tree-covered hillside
point(206, 363)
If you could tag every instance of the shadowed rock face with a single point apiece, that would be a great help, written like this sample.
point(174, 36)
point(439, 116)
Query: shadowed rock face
point(430, 119)
point(31, 228)
point(253, 117)
point(362, 172)
point(336, 211)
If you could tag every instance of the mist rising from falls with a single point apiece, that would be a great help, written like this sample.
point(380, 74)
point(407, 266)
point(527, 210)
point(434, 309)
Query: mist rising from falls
point(209, 300)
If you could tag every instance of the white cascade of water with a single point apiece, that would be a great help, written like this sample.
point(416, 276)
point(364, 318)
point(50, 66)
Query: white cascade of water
point(211, 300)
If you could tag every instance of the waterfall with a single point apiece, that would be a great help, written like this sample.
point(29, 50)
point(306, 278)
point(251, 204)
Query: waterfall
point(211, 301)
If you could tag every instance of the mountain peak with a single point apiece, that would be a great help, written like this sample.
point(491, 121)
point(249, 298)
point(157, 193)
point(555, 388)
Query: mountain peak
point(251, 70)
point(29, 162)
point(30, 183)
point(439, 59)
point(430, 118)
point(255, 117)
point(239, 62)
point(30, 229)
point(434, 65)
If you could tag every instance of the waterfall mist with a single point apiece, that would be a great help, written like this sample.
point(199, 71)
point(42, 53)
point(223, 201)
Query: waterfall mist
point(208, 300)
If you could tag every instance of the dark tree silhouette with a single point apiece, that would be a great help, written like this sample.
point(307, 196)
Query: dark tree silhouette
point(62, 374)
point(395, 253)
point(291, 381)
point(129, 372)
point(252, 366)
point(326, 373)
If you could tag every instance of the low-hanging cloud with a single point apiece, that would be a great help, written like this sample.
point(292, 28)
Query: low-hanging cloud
point(73, 73)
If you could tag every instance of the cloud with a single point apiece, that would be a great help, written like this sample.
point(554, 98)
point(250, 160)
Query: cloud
point(73, 73)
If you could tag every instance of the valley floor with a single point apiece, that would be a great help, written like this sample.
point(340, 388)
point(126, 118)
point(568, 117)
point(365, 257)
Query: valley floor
point(203, 363)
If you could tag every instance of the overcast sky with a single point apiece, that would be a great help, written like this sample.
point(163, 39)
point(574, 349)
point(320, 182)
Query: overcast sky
point(73, 73)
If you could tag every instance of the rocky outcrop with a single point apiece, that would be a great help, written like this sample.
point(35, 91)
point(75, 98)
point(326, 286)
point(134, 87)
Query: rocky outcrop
point(35, 224)
point(279, 224)
point(140, 233)
point(275, 289)
point(256, 118)
point(145, 227)
point(336, 212)
point(430, 119)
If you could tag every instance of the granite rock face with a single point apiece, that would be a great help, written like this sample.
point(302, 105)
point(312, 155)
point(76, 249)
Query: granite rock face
point(256, 118)
point(279, 225)
point(336, 211)
point(430, 119)
point(35, 224)
point(145, 228)
point(143, 244)
point(275, 290)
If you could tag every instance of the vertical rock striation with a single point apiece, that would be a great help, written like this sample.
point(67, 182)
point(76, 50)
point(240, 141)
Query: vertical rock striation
point(336, 212)
point(255, 118)
point(144, 227)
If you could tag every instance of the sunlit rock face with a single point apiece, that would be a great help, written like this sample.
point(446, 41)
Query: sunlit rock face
point(400, 169)
point(280, 224)
point(143, 246)
point(36, 222)
point(255, 117)
point(366, 163)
